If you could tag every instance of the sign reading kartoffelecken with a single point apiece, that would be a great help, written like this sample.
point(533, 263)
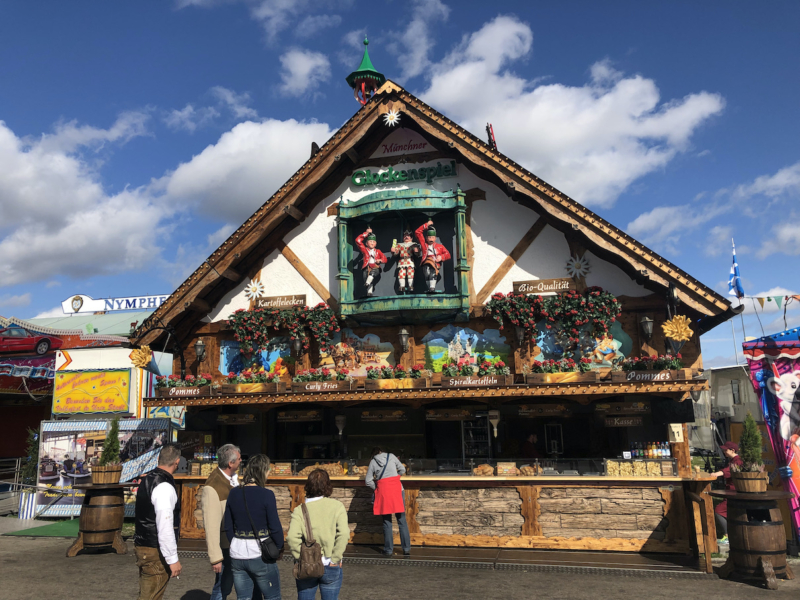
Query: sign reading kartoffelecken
point(279, 302)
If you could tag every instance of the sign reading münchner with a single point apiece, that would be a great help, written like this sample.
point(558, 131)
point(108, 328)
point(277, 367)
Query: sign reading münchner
point(544, 286)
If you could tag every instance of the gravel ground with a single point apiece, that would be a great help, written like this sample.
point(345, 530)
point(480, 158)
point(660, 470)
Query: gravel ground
point(37, 568)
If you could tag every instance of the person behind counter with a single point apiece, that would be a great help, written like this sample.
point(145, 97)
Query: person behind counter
point(730, 449)
point(383, 476)
point(247, 525)
point(328, 519)
point(529, 449)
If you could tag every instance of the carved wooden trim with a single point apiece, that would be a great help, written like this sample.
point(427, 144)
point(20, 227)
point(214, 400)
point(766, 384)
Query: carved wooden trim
point(530, 510)
point(471, 196)
point(511, 259)
point(306, 274)
point(298, 495)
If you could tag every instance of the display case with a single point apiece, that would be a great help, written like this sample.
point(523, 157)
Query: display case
point(476, 440)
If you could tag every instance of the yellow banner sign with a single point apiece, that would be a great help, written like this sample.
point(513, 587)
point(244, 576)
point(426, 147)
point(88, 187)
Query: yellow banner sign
point(92, 392)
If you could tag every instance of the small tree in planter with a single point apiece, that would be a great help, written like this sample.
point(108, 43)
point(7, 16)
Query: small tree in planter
point(29, 469)
point(749, 476)
point(109, 469)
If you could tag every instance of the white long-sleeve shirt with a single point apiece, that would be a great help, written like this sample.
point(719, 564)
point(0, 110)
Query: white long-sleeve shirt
point(164, 500)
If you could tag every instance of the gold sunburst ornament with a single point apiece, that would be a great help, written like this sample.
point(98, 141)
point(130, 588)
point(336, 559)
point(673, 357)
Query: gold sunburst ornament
point(141, 357)
point(254, 289)
point(578, 266)
point(677, 328)
point(391, 118)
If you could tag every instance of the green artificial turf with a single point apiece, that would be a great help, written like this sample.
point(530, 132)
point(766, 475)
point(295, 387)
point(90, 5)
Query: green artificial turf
point(66, 528)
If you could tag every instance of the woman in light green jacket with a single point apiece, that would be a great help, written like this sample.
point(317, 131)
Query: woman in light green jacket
point(329, 525)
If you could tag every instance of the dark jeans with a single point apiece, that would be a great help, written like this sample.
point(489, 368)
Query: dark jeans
point(223, 581)
point(255, 573)
point(329, 585)
point(405, 538)
point(722, 526)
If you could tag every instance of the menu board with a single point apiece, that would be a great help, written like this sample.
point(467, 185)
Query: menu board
point(448, 414)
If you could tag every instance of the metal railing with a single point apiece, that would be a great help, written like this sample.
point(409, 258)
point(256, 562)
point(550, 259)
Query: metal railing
point(10, 482)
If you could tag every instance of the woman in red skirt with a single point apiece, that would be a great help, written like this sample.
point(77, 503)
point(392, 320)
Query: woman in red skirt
point(383, 476)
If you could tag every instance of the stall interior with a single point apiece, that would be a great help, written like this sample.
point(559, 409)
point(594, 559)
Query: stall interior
point(606, 437)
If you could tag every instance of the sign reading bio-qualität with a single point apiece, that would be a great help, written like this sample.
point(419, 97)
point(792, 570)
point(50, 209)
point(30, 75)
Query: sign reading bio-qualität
point(82, 392)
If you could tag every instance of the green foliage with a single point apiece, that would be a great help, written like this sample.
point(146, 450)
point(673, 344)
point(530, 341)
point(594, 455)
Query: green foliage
point(750, 443)
point(29, 475)
point(110, 454)
point(428, 358)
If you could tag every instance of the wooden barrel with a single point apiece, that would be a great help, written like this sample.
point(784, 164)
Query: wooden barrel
point(102, 514)
point(755, 530)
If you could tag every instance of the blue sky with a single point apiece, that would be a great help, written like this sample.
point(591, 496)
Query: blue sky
point(135, 136)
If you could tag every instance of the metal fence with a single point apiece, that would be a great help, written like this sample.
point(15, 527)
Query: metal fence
point(10, 488)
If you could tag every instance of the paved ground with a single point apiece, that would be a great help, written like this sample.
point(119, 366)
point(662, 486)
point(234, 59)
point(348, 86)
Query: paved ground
point(37, 568)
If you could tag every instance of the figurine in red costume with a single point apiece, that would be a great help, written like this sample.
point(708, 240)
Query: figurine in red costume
point(371, 260)
point(433, 255)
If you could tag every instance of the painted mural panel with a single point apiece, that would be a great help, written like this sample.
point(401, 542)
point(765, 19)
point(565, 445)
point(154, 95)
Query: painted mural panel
point(356, 353)
point(276, 358)
point(453, 344)
point(604, 352)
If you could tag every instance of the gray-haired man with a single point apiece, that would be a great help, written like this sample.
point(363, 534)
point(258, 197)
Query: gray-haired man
point(213, 498)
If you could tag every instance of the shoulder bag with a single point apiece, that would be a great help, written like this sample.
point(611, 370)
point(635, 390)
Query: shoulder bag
point(269, 549)
point(309, 566)
point(388, 456)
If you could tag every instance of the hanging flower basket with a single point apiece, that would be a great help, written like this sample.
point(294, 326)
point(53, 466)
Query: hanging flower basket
point(397, 378)
point(565, 370)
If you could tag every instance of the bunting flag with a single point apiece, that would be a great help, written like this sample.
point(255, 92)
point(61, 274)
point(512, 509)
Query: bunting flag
point(761, 302)
point(735, 280)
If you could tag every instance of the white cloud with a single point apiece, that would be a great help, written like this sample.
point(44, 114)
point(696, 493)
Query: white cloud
point(276, 15)
point(664, 227)
point(717, 239)
point(53, 283)
point(590, 141)
point(51, 313)
point(229, 180)
point(190, 118)
point(313, 24)
point(414, 44)
point(236, 103)
point(352, 48)
point(55, 216)
point(8, 301)
point(303, 71)
point(785, 181)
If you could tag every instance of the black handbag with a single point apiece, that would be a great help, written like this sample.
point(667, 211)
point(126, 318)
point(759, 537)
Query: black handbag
point(269, 549)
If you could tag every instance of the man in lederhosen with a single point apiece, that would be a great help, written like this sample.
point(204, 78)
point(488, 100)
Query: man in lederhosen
point(371, 260)
point(433, 255)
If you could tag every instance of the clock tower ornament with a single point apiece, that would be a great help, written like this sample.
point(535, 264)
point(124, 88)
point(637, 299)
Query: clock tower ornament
point(365, 80)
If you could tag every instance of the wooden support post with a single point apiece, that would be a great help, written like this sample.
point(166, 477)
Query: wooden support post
point(232, 275)
point(708, 530)
point(680, 450)
point(412, 510)
point(306, 273)
point(530, 511)
point(295, 213)
point(352, 155)
point(198, 304)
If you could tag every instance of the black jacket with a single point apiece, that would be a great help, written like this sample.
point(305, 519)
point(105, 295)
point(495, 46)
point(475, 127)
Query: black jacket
point(146, 532)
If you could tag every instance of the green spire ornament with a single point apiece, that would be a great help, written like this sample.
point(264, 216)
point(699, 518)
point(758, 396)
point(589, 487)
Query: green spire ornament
point(366, 79)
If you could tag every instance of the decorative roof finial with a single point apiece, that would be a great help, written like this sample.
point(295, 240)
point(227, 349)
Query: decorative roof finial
point(366, 79)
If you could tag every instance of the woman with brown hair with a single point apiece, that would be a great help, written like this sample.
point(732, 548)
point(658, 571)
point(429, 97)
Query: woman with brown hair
point(251, 516)
point(329, 527)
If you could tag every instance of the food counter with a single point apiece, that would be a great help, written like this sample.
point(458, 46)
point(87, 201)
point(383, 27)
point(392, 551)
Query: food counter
point(648, 514)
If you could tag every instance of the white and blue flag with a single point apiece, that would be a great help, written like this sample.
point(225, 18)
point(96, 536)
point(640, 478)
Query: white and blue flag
point(735, 280)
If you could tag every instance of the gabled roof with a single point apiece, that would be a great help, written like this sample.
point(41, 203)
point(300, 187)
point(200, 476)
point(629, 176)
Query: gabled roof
point(279, 214)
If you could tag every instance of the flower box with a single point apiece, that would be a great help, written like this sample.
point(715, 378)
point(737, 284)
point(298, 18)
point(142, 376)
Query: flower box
point(397, 384)
point(323, 386)
point(650, 376)
point(571, 377)
point(253, 388)
point(183, 392)
point(474, 381)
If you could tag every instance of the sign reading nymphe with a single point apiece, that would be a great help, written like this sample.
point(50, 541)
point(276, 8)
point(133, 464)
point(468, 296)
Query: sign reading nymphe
point(544, 286)
point(279, 301)
point(624, 421)
point(426, 174)
point(473, 381)
point(81, 304)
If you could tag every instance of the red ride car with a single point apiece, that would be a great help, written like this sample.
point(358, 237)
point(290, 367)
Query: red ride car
point(17, 339)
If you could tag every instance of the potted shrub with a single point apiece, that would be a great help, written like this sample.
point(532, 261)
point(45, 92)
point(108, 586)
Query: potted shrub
point(750, 475)
point(388, 378)
point(248, 382)
point(563, 370)
point(109, 469)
